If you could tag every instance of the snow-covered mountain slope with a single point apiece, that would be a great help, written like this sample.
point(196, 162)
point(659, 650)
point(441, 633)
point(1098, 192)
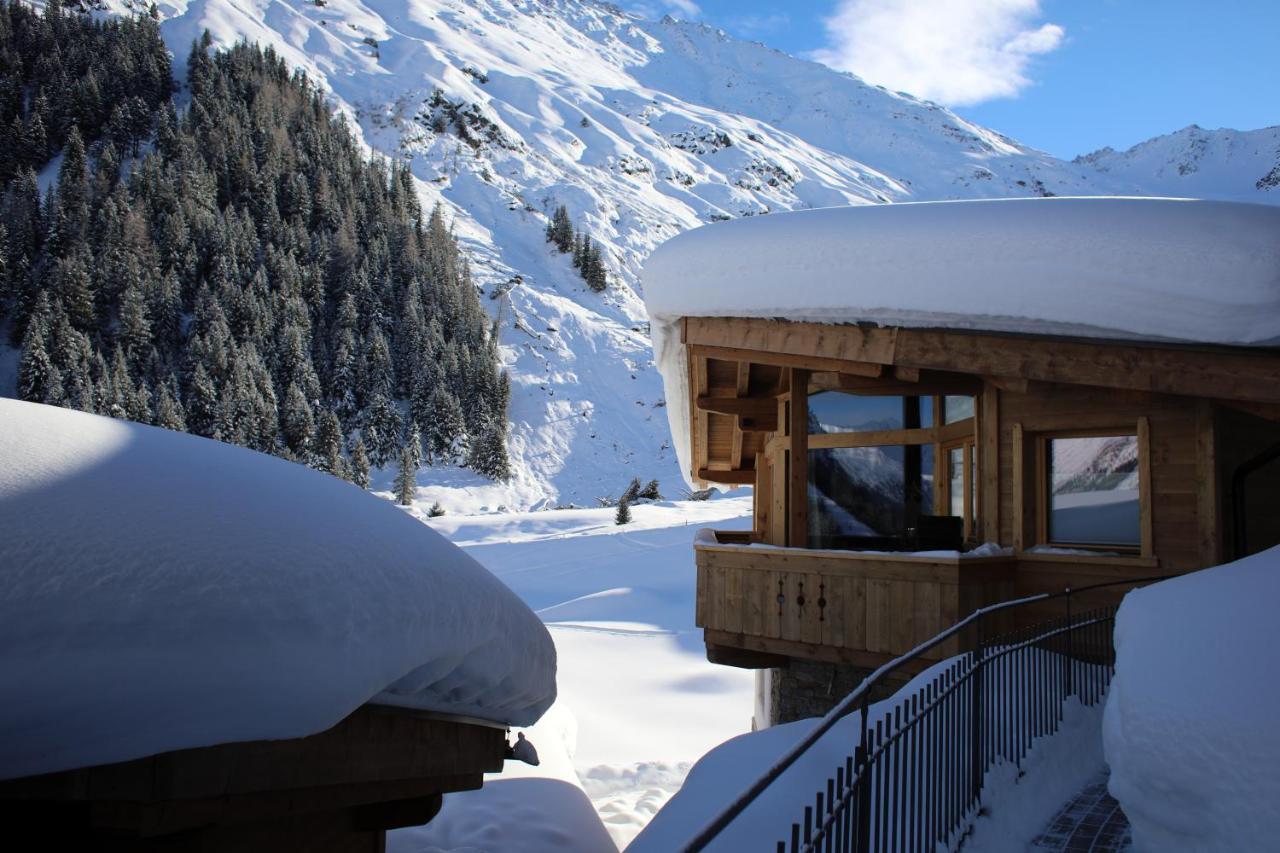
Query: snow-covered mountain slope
point(508, 108)
point(1239, 165)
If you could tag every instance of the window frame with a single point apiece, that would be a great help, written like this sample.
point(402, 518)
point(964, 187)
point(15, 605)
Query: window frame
point(1042, 484)
point(969, 481)
point(941, 436)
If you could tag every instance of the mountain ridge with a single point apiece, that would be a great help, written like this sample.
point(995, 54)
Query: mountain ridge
point(642, 129)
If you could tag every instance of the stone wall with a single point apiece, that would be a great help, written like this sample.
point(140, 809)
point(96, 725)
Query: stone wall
point(803, 689)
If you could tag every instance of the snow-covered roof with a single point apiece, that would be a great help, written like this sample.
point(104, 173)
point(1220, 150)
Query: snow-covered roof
point(160, 591)
point(1155, 269)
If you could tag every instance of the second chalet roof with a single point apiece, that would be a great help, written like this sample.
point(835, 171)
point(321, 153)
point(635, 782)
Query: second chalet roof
point(1165, 269)
point(1172, 270)
point(160, 591)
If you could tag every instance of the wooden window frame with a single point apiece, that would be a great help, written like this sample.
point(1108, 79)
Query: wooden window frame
point(936, 433)
point(970, 481)
point(1038, 481)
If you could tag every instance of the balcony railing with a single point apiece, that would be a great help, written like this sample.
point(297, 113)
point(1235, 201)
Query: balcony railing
point(915, 777)
point(855, 607)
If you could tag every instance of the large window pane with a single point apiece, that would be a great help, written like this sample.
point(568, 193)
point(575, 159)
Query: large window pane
point(868, 497)
point(835, 412)
point(1093, 491)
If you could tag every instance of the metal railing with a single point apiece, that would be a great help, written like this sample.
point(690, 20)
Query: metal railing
point(915, 777)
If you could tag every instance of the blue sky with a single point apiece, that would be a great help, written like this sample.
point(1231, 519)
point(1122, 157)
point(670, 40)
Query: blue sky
point(1065, 76)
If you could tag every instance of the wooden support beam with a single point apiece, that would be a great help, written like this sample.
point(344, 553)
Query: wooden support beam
point(1014, 385)
point(1146, 523)
point(735, 477)
point(756, 423)
point(907, 374)
point(751, 407)
point(743, 387)
point(1208, 499)
point(699, 421)
point(781, 359)
point(798, 487)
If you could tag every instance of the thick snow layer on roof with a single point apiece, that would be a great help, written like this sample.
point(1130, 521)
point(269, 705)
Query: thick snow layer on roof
point(1162, 269)
point(160, 591)
point(1190, 725)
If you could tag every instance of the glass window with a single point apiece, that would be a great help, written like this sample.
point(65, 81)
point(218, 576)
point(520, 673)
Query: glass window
point(956, 409)
point(1093, 491)
point(868, 497)
point(955, 484)
point(837, 411)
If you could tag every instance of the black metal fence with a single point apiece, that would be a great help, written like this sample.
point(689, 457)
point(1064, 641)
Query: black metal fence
point(914, 778)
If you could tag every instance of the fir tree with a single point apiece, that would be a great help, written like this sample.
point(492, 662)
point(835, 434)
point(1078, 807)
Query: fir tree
point(248, 296)
point(328, 445)
point(359, 463)
point(406, 483)
point(632, 492)
point(560, 230)
point(623, 514)
point(488, 455)
point(38, 379)
point(169, 410)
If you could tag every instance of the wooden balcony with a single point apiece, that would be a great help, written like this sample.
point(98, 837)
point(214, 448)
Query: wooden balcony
point(758, 604)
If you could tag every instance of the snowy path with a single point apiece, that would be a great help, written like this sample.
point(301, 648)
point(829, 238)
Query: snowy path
point(639, 703)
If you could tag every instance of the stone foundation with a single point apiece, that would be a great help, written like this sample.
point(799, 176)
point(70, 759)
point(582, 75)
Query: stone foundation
point(804, 689)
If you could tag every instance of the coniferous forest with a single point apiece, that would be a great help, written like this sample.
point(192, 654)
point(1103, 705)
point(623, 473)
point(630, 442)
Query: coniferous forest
point(234, 266)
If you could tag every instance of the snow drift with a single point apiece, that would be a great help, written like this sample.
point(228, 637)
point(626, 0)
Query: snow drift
point(1190, 723)
point(160, 591)
point(1157, 269)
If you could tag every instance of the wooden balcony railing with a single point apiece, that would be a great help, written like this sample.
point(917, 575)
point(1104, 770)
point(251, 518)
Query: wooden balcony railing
point(842, 606)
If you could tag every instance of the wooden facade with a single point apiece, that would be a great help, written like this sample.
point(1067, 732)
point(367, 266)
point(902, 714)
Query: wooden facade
point(333, 792)
point(1198, 415)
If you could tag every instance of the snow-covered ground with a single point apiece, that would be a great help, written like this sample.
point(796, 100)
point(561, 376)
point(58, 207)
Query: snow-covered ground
point(1190, 729)
point(638, 701)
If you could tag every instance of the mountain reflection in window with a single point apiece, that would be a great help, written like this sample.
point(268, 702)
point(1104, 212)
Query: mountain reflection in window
point(835, 412)
point(867, 497)
point(1093, 491)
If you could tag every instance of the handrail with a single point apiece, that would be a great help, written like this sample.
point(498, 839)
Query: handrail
point(862, 692)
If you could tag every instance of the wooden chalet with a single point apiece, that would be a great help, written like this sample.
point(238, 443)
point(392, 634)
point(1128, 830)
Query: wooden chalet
point(338, 791)
point(903, 477)
point(197, 669)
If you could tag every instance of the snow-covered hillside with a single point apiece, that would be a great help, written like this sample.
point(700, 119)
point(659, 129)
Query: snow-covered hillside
point(506, 109)
point(1199, 163)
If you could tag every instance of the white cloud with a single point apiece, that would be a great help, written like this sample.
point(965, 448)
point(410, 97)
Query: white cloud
point(956, 52)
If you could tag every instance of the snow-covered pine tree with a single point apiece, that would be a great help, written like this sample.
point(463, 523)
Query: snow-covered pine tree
point(359, 463)
point(650, 491)
point(560, 230)
point(488, 455)
point(328, 445)
point(623, 514)
point(226, 298)
point(632, 491)
point(406, 483)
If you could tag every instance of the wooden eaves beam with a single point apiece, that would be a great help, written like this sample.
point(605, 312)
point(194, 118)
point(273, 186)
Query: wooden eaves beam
point(1222, 373)
point(737, 476)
